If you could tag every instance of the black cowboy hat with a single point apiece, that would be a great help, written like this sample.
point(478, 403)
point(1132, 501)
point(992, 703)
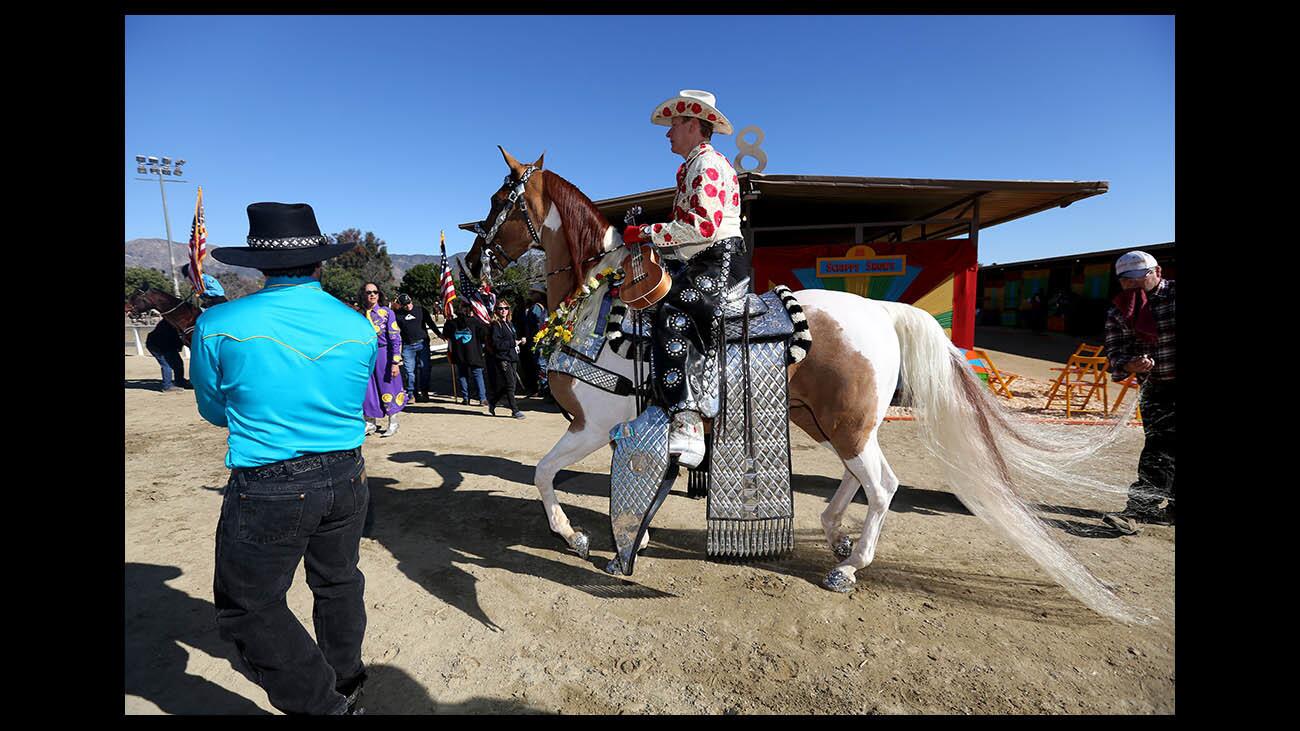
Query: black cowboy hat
point(280, 236)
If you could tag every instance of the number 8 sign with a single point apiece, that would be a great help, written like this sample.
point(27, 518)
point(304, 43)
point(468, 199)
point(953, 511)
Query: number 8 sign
point(750, 149)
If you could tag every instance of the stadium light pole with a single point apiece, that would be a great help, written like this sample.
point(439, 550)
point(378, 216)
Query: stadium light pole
point(149, 164)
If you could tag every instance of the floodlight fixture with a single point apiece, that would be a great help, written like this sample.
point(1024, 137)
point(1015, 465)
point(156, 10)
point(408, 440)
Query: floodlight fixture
point(151, 164)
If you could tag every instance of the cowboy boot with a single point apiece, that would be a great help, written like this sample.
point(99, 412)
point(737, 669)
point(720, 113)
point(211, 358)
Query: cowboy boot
point(686, 438)
point(392, 426)
point(372, 426)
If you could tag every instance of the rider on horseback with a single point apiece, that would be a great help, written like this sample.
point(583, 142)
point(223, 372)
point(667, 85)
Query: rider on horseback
point(705, 255)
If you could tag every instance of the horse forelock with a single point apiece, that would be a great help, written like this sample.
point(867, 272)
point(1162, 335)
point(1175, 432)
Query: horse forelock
point(583, 224)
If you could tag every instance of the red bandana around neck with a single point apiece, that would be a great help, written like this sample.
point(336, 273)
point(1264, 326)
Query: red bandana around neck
point(1135, 307)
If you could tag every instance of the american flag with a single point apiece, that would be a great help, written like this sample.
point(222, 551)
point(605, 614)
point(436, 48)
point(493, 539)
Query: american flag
point(448, 287)
point(198, 244)
point(482, 300)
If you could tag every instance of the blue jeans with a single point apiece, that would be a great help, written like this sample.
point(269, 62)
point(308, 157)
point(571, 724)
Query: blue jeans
point(271, 518)
point(464, 383)
point(173, 367)
point(415, 368)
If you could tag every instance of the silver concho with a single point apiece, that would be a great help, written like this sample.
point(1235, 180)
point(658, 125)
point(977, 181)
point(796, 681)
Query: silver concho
point(640, 461)
point(706, 283)
point(677, 322)
point(676, 348)
point(673, 376)
point(690, 295)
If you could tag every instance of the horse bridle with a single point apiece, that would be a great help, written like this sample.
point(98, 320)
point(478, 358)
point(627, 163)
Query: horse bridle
point(515, 199)
point(164, 314)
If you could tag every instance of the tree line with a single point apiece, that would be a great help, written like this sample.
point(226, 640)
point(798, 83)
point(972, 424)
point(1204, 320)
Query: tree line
point(344, 275)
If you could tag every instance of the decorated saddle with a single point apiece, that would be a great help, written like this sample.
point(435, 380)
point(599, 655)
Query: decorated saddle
point(746, 471)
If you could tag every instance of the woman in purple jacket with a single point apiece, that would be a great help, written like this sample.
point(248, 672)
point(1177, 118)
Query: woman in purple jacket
point(385, 396)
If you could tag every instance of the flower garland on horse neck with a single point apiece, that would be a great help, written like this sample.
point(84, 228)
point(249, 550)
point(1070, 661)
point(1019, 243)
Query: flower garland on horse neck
point(558, 327)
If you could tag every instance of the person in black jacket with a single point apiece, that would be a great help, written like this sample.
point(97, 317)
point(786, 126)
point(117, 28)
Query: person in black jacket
point(164, 344)
point(505, 356)
point(465, 335)
point(415, 324)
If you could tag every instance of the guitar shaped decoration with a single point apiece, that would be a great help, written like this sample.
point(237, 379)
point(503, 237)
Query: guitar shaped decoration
point(644, 280)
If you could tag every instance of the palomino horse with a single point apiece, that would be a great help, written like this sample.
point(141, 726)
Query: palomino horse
point(181, 314)
point(839, 393)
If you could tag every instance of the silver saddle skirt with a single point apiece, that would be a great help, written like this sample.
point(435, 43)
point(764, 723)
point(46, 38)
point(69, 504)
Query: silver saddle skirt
point(746, 472)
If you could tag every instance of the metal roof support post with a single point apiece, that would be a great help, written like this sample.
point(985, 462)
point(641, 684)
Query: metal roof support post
point(747, 226)
point(975, 224)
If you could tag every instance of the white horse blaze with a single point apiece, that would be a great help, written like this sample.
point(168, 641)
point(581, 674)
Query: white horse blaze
point(553, 221)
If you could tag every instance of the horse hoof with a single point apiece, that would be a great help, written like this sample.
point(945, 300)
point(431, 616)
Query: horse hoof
point(838, 581)
point(843, 546)
point(614, 567)
point(581, 543)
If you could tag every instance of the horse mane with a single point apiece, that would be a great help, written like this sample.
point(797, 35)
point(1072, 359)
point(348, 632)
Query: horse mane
point(584, 225)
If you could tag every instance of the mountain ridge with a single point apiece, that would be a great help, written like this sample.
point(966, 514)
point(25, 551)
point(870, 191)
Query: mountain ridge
point(152, 254)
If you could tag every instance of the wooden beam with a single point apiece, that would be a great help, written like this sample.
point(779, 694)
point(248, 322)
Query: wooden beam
point(864, 224)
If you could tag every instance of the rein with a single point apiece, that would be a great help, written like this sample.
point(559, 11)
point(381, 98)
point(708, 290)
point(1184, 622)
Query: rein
point(596, 257)
point(177, 307)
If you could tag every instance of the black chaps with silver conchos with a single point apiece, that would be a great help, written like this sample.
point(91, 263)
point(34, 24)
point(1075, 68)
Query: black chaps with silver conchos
point(685, 320)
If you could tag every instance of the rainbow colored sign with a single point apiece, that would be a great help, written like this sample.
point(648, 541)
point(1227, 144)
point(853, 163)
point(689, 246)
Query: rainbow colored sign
point(937, 276)
point(857, 266)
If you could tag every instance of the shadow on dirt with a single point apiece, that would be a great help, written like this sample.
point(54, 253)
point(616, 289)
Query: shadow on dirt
point(148, 384)
point(436, 533)
point(472, 527)
point(159, 619)
point(391, 691)
point(907, 500)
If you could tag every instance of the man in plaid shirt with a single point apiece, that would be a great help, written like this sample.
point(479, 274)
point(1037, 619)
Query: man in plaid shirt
point(1140, 340)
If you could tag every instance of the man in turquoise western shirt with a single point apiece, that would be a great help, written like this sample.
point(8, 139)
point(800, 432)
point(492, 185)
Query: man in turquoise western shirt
point(285, 369)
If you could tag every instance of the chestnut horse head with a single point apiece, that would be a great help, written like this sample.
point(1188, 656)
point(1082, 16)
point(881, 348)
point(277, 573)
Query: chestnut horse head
point(514, 219)
point(535, 208)
point(181, 314)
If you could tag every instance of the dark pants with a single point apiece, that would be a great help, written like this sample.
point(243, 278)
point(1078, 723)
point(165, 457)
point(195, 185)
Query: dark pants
point(313, 509)
point(172, 365)
point(1156, 465)
point(503, 384)
point(683, 323)
point(528, 370)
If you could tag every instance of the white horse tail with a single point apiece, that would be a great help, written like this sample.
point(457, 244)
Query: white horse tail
point(979, 443)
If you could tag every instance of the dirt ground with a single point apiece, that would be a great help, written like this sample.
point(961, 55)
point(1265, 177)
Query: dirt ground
point(475, 607)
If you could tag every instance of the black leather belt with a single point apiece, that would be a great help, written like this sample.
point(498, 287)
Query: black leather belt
point(298, 465)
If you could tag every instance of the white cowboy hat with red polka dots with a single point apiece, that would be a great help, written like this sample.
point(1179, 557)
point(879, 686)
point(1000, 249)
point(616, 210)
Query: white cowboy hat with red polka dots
point(691, 103)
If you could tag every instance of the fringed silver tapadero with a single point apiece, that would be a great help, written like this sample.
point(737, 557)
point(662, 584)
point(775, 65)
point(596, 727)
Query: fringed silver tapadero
point(751, 507)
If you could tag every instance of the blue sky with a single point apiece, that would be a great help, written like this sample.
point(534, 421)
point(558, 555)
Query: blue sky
point(390, 123)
